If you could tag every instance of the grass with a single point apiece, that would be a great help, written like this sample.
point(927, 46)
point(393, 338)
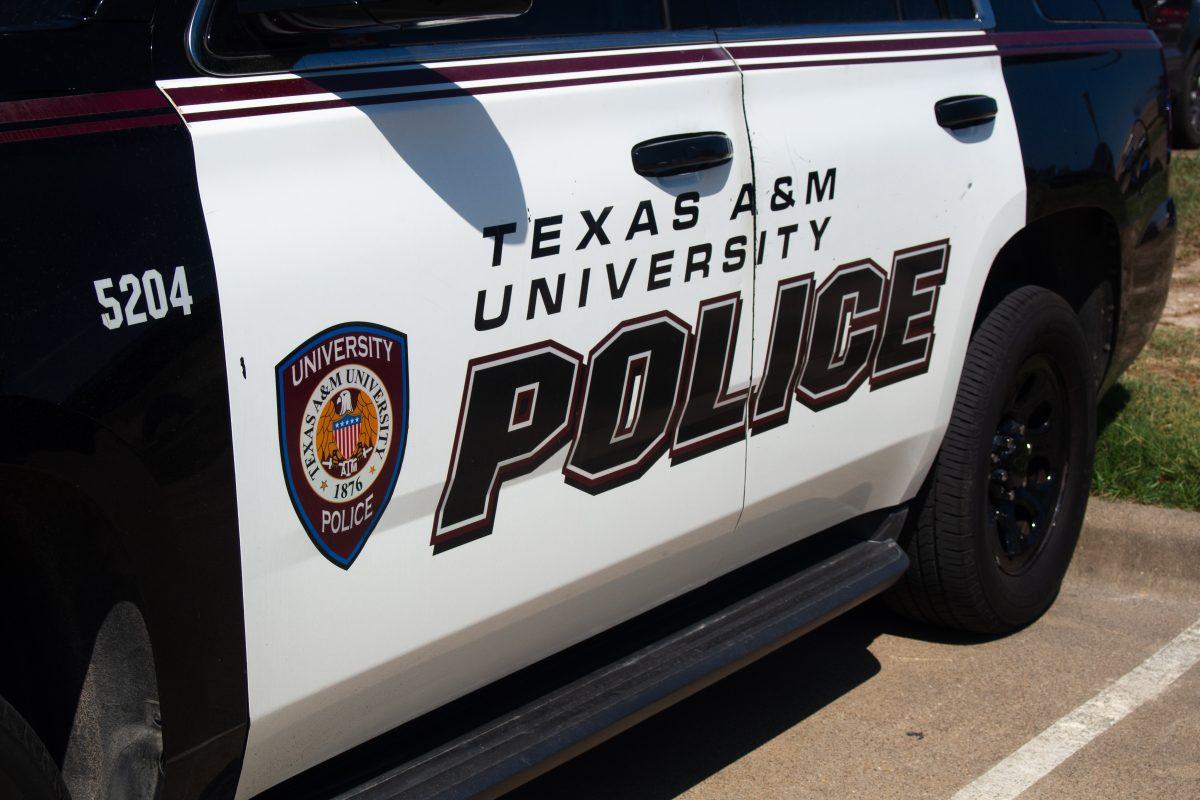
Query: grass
point(1185, 184)
point(1149, 447)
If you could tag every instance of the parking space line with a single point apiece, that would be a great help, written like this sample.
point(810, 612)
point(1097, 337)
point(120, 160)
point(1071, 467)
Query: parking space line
point(1033, 761)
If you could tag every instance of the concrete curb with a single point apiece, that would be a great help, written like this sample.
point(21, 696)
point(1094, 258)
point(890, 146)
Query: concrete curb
point(1139, 548)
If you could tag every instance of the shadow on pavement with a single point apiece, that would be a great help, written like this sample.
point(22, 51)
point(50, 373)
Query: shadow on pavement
point(669, 753)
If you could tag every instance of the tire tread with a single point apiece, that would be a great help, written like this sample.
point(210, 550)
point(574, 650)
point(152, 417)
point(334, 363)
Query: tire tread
point(942, 585)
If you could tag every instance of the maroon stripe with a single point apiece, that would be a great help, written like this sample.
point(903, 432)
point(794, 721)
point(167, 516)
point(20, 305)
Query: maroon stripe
point(440, 94)
point(840, 62)
point(1121, 36)
point(434, 75)
point(79, 128)
point(850, 48)
point(1097, 47)
point(446, 79)
point(81, 105)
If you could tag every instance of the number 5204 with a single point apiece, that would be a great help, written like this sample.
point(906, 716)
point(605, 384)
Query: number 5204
point(145, 296)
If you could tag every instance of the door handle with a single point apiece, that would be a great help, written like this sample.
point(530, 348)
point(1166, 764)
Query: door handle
point(686, 152)
point(963, 112)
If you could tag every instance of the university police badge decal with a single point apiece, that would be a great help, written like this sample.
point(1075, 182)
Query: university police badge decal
point(343, 424)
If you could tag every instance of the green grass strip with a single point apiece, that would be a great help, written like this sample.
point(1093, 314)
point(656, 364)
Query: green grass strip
point(1185, 186)
point(1149, 446)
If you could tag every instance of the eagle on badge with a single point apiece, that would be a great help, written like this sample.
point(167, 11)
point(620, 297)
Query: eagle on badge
point(346, 432)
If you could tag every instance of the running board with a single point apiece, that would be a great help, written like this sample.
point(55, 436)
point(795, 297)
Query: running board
point(518, 746)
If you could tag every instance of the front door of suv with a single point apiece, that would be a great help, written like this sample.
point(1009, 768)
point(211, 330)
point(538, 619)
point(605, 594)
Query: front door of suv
point(878, 220)
point(475, 356)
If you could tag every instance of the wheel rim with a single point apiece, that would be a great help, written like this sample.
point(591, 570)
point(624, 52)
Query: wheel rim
point(1029, 464)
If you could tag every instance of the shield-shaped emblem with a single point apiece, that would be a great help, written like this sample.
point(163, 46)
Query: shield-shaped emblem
point(343, 425)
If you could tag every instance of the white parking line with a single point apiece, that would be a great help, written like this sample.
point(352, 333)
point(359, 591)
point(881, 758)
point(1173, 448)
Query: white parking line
point(1056, 744)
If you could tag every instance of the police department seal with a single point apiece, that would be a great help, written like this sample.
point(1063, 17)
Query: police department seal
point(343, 422)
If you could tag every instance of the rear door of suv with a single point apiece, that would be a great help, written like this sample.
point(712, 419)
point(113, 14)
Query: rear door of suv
point(889, 175)
point(474, 354)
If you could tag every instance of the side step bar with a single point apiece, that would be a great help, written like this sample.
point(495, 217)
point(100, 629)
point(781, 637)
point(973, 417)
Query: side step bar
point(518, 746)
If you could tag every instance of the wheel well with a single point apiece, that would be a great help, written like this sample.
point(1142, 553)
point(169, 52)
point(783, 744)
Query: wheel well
point(1076, 254)
point(62, 581)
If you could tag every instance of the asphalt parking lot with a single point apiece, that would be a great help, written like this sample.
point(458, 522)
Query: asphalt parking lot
point(1081, 704)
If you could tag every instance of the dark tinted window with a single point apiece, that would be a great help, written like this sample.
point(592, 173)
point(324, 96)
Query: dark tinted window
point(1122, 10)
point(808, 12)
point(937, 9)
point(920, 9)
point(1092, 10)
point(286, 36)
point(802, 12)
point(555, 18)
point(960, 9)
point(16, 14)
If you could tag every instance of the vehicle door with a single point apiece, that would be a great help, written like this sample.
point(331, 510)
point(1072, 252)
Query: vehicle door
point(489, 362)
point(889, 176)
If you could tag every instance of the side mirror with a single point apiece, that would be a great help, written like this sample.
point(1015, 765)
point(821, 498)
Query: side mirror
point(311, 15)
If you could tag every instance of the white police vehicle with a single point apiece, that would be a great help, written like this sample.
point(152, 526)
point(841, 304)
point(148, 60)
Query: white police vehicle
point(402, 395)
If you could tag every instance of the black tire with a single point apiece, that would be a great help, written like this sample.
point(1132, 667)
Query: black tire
point(1187, 118)
point(981, 561)
point(27, 772)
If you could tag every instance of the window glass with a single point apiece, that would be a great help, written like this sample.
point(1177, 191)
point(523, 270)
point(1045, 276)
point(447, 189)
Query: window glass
point(921, 9)
point(802, 12)
point(1092, 10)
point(15, 14)
point(808, 12)
point(938, 9)
point(1122, 10)
point(1071, 9)
point(554, 18)
point(345, 27)
point(960, 9)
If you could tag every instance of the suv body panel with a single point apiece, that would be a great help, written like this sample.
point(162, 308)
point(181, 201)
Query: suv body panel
point(155, 457)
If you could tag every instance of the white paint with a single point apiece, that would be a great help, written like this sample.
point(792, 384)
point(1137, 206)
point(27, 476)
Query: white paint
point(374, 213)
point(360, 94)
point(900, 178)
point(1036, 759)
point(888, 55)
point(875, 37)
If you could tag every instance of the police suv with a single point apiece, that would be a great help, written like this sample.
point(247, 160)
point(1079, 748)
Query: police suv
point(404, 395)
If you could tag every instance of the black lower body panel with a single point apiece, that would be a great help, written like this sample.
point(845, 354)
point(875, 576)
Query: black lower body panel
point(508, 733)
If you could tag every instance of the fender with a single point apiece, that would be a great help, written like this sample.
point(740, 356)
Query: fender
point(133, 413)
point(187, 621)
point(1122, 168)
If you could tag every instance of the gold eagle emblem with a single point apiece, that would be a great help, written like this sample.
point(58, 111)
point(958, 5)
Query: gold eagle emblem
point(342, 404)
